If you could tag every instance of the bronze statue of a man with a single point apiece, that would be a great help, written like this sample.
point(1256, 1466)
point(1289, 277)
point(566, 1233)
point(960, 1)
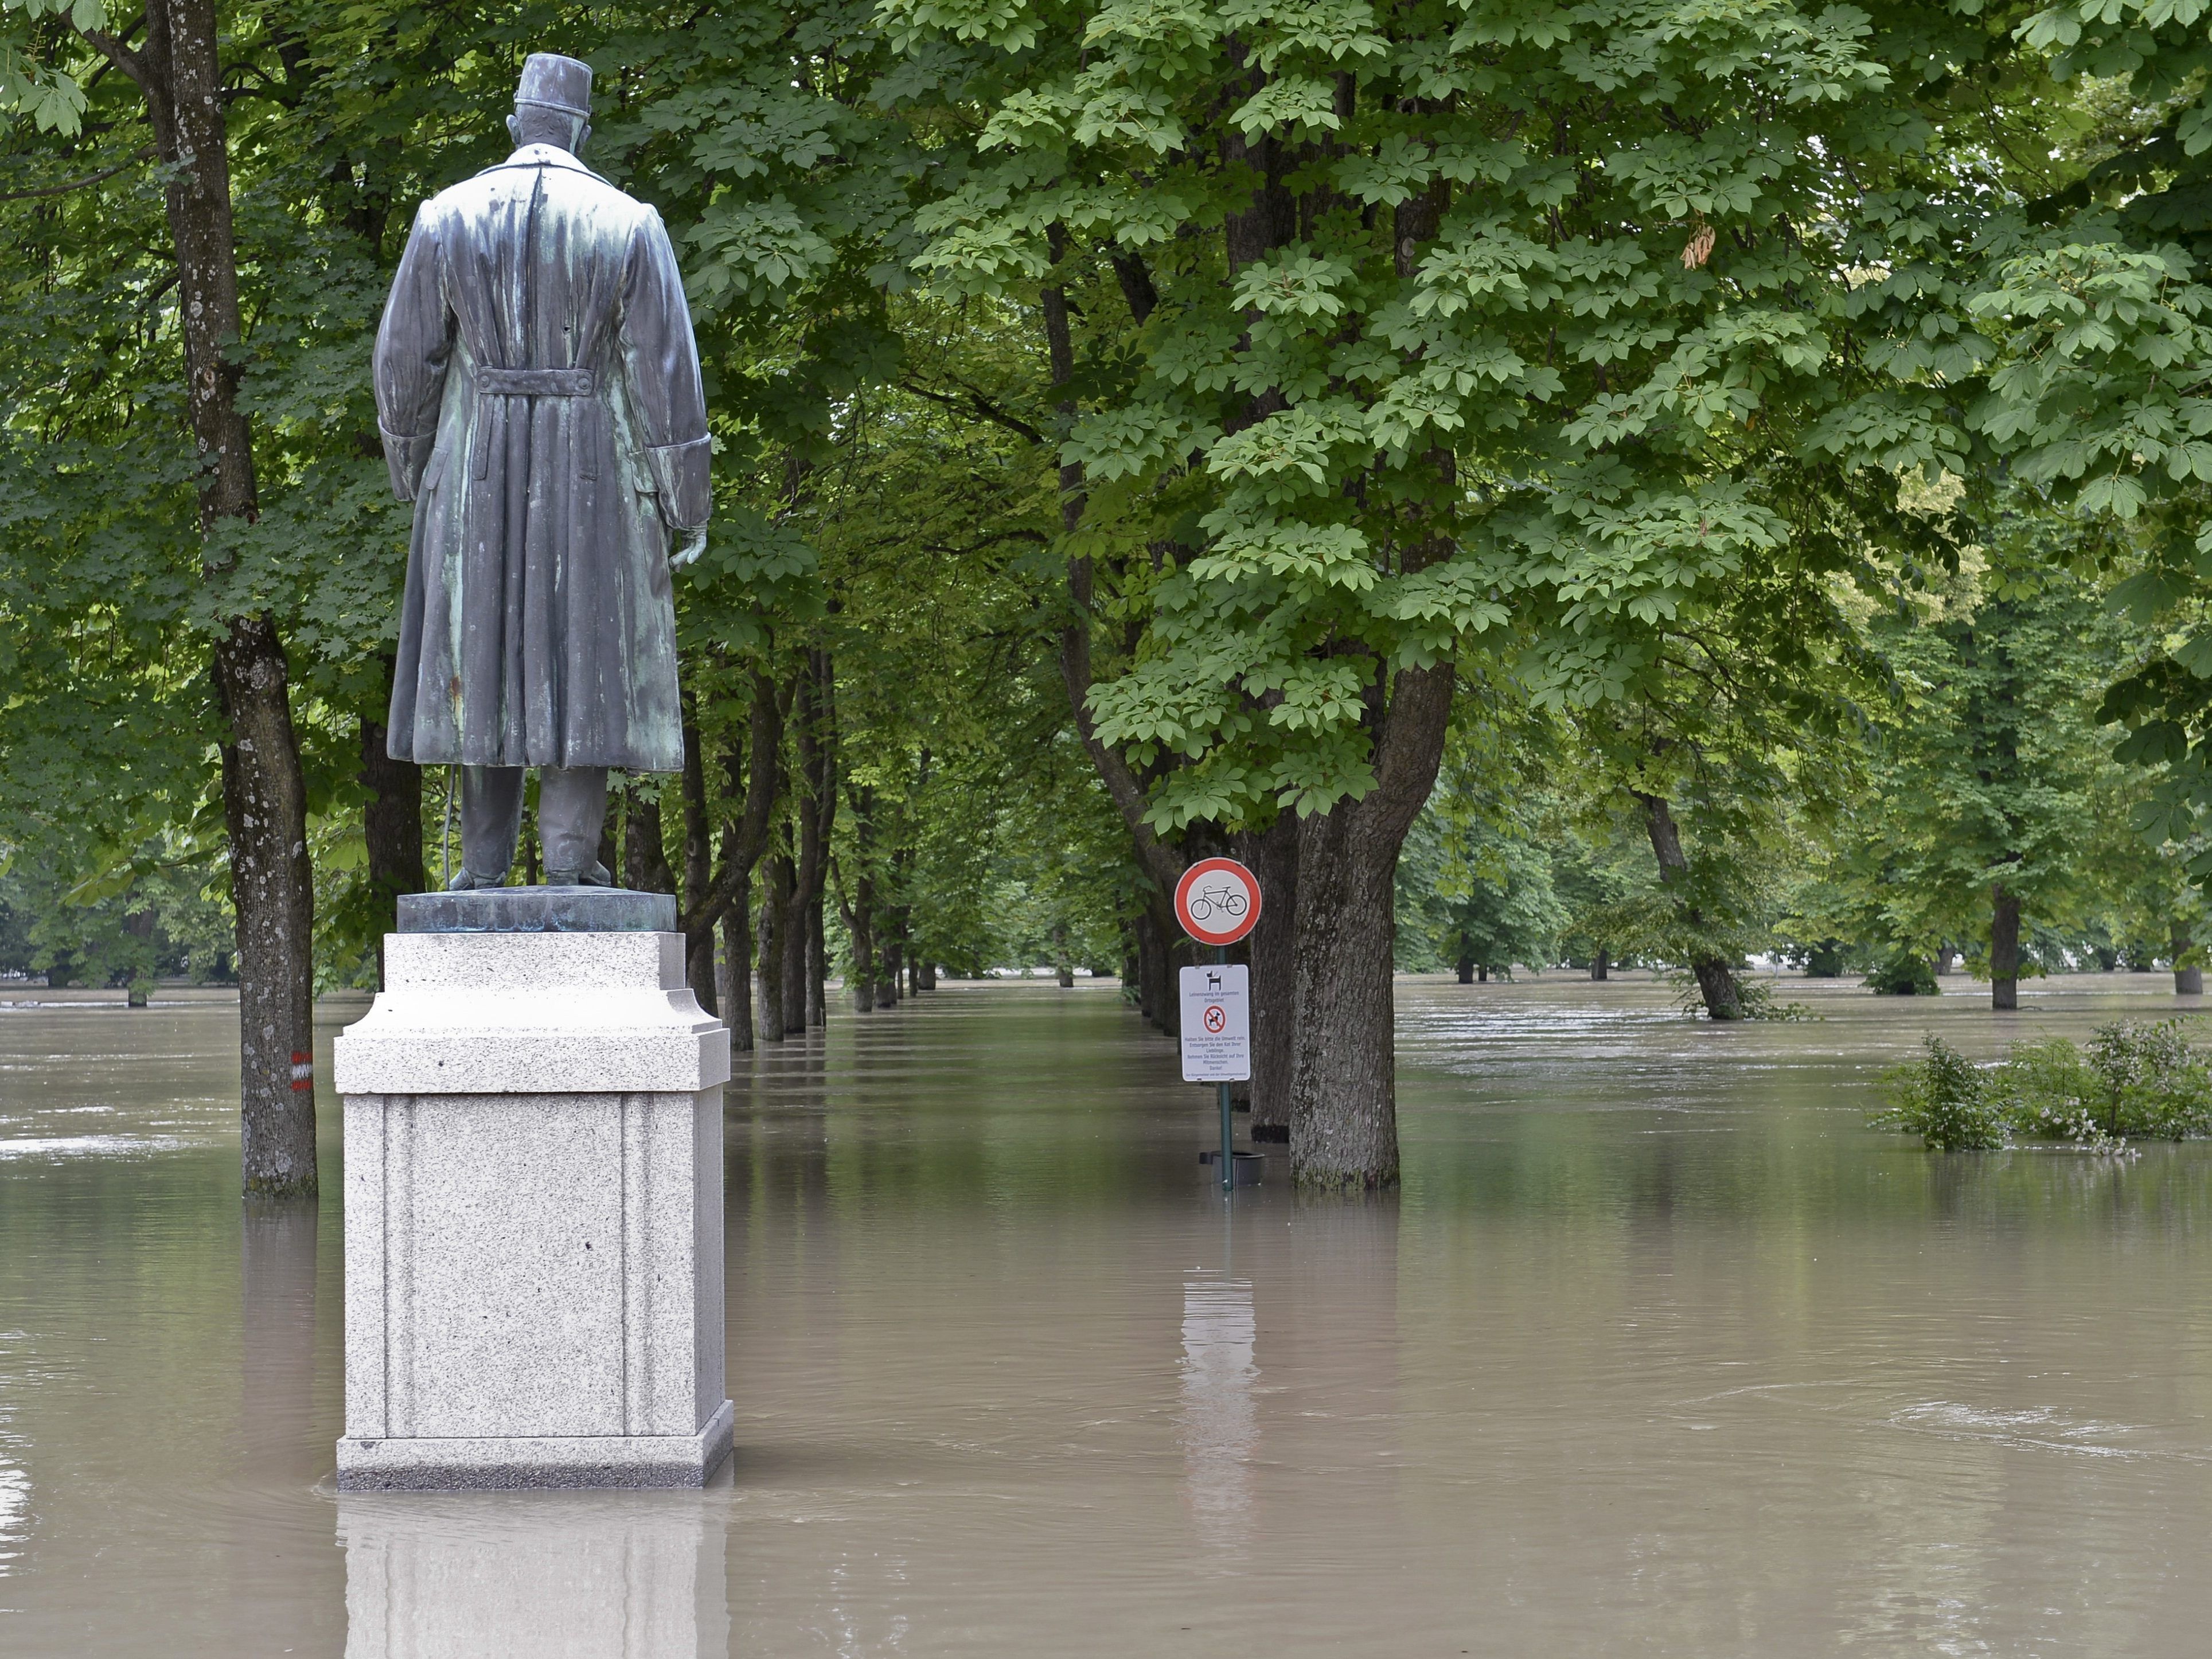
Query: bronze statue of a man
point(538, 391)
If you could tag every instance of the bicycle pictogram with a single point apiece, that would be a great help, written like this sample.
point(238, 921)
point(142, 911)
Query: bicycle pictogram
point(1207, 900)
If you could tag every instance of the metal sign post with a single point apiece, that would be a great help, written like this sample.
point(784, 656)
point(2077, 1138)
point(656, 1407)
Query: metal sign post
point(1218, 902)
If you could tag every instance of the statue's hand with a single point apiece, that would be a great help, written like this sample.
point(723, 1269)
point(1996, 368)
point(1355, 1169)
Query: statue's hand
point(688, 552)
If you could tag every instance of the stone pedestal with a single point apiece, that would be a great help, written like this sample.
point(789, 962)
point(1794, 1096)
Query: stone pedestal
point(533, 1210)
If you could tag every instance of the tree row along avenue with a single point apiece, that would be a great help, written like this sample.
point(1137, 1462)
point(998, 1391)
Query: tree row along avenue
point(1608, 483)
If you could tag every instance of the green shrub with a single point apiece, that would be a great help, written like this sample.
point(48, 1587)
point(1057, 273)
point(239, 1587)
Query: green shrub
point(2048, 1091)
point(1904, 975)
point(2155, 1083)
point(2141, 1080)
point(1945, 1099)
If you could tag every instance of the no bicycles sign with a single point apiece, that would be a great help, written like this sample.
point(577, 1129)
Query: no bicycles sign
point(1217, 900)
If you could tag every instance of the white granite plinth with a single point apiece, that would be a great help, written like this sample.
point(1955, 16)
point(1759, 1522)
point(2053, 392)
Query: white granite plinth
point(533, 1191)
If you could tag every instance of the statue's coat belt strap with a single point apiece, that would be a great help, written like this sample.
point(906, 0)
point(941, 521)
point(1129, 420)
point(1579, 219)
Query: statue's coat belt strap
point(535, 382)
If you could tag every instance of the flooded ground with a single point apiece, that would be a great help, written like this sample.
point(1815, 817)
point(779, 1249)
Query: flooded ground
point(1659, 1351)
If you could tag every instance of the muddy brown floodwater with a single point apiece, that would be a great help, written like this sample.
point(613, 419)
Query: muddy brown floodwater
point(1658, 1351)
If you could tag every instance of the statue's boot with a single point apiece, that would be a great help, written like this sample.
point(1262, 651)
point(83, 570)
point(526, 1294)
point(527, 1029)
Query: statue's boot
point(594, 875)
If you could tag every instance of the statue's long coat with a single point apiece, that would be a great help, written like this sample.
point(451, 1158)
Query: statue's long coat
point(538, 628)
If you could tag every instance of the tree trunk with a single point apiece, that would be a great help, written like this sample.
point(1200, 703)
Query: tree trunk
point(1167, 958)
point(858, 909)
point(792, 932)
point(1272, 856)
point(1149, 948)
point(887, 969)
point(140, 925)
point(264, 800)
point(645, 843)
point(1344, 1101)
point(774, 907)
point(698, 864)
point(1600, 961)
point(737, 965)
point(1344, 1106)
point(2187, 981)
point(925, 972)
point(742, 841)
point(1717, 981)
point(2004, 947)
point(610, 833)
point(179, 72)
point(392, 824)
point(818, 965)
point(1466, 970)
point(861, 926)
point(818, 745)
point(802, 923)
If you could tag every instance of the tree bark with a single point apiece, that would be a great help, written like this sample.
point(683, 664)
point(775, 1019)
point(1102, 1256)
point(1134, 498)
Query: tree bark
point(1148, 967)
point(802, 920)
point(888, 968)
point(1600, 961)
point(2004, 947)
point(1344, 1104)
point(140, 925)
point(736, 967)
point(1272, 854)
point(774, 906)
point(745, 840)
point(273, 896)
point(1466, 970)
point(645, 842)
point(698, 863)
point(857, 907)
point(822, 790)
point(1716, 980)
point(178, 72)
point(2187, 981)
point(792, 932)
point(392, 824)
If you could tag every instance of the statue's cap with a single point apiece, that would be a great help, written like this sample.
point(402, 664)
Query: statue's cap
point(553, 82)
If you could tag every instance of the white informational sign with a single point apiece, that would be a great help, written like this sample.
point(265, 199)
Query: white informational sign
point(1216, 1023)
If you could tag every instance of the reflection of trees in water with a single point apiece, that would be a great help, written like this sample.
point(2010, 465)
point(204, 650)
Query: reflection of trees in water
point(1220, 1421)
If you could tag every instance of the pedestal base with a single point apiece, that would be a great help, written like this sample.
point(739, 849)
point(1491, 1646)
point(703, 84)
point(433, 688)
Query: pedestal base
point(514, 1463)
point(533, 1193)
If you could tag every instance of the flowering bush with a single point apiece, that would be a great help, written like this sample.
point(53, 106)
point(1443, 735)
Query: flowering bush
point(1944, 1099)
point(2146, 1081)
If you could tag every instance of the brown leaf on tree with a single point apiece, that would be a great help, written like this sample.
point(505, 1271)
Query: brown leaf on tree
point(1698, 248)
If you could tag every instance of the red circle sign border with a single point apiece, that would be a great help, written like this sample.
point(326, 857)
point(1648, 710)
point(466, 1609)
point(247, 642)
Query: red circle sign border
point(1243, 924)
